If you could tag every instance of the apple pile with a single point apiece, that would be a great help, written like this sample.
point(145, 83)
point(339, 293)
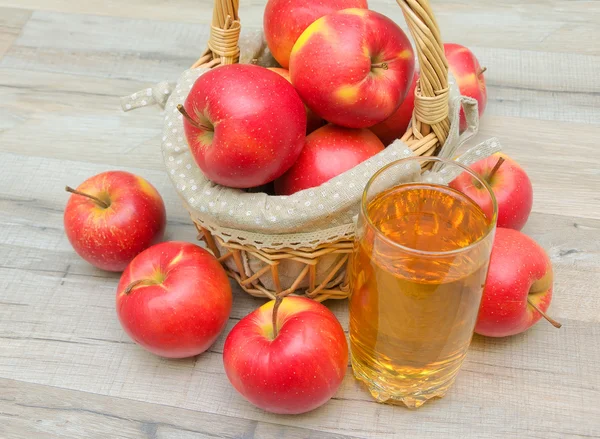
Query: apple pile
point(344, 91)
point(348, 93)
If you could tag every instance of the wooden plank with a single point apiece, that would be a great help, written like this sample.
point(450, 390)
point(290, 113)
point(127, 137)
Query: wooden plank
point(540, 85)
point(503, 387)
point(78, 116)
point(11, 22)
point(544, 25)
point(31, 410)
point(513, 101)
point(110, 47)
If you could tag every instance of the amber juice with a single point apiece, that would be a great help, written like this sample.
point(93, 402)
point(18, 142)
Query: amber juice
point(417, 277)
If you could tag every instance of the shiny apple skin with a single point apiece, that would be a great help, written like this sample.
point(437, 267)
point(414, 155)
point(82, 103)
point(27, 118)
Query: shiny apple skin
point(353, 67)
point(510, 184)
point(285, 20)
point(519, 268)
point(185, 311)
point(396, 125)
point(109, 238)
point(300, 369)
point(327, 153)
point(313, 121)
point(258, 125)
point(470, 80)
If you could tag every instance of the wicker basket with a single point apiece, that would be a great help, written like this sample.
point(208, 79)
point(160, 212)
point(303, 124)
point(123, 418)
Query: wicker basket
point(429, 129)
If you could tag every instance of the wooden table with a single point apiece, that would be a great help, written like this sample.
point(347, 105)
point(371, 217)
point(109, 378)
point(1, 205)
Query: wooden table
point(66, 367)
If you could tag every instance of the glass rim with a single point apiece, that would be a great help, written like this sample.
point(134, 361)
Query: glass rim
point(490, 228)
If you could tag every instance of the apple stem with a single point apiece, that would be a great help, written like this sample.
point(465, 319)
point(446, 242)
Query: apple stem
point(138, 282)
point(481, 71)
point(190, 120)
point(382, 65)
point(278, 301)
point(495, 169)
point(544, 315)
point(97, 200)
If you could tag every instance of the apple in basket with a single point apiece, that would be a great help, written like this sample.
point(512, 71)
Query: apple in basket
point(245, 125)
point(353, 67)
point(112, 217)
point(518, 288)
point(312, 120)
point(396, 125)
point(510, 184)
point(285, 20)
point(469, 77)
point(289, 356)
point(328, 152)
point(174, 299)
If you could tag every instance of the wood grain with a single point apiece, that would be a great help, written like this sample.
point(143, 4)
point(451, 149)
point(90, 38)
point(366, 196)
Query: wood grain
point(11, 23)
point(33, 411)
point(522, 83)
point(545, 25)
point(68, 370)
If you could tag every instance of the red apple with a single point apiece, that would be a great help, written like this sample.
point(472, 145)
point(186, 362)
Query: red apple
point(294, 368)
point(518, 288)
point(328, 152)
point(510, 184)
point(245, 125)
point(312, 120)
point(112, 217)
point(396, 125)
point(353, 67)
point(285, 20)
point(174, 299)
point(469, 77)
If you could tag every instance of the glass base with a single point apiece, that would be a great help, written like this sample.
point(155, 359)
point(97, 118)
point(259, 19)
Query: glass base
point(413, 399)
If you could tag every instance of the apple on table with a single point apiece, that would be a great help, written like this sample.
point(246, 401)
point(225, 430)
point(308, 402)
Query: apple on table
point(289, 356)
point(510, 184)
point(518, 289)
point(113, 216)
point(174, 299)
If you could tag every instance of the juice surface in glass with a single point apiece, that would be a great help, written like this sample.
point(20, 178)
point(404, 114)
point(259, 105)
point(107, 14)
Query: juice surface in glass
point(417, 276)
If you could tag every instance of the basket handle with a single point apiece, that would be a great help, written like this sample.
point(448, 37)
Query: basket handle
point(430, 124)
point(224, 36)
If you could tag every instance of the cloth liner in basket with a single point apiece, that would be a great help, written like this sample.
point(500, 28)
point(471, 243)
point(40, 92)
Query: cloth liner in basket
point(311, 217)
point(282, 244)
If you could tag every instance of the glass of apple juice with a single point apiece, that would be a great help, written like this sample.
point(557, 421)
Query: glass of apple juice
point(417, 274)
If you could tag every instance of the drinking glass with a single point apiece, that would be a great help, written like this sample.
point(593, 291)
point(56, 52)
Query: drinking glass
point(421, 255)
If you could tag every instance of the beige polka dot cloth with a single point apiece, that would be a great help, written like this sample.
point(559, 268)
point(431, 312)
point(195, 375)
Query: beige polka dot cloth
point(304, 219)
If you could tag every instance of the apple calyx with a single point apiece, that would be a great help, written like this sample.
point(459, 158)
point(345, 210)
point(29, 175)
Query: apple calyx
point(96, 200)
point(276, 305)
point(144, 282)
point(191, 120)
point(481, 71)
point(544, 315)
